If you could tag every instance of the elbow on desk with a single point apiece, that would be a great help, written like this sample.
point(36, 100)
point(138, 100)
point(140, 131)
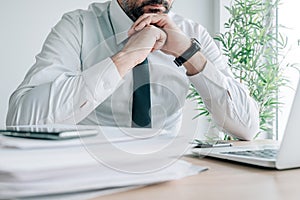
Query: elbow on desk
point(248, 134)
point(25, 110)
point(243, 131)
point(246, 125)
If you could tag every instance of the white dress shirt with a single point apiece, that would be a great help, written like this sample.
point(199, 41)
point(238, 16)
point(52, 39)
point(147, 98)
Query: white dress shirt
point(74, 80)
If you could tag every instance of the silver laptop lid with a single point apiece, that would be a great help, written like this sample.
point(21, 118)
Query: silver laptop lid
point(289, 153)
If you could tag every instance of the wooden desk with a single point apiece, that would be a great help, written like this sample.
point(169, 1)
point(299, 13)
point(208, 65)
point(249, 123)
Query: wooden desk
point(223, 180)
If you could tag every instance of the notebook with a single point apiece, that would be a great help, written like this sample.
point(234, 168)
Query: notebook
point(283, 156)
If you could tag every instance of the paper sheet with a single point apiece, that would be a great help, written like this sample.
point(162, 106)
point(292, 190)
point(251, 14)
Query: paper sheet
point(86, 179)
point(114, 161)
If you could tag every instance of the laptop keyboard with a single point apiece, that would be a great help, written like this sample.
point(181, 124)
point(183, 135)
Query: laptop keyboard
point(265, 153)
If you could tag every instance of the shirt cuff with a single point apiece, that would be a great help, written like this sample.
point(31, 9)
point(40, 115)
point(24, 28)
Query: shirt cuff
point(102, 79)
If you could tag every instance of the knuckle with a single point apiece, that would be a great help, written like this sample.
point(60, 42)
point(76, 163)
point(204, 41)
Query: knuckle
point(150, 28)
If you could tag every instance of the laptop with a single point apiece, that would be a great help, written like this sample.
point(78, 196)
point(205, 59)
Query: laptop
point(282, 156)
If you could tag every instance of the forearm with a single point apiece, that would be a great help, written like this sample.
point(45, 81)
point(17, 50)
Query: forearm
point(44, 104)
point(195, 64)
point(67, 99)
point(229, 103)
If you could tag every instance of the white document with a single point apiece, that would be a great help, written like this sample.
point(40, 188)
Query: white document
point(128, 158)
point(35, 183)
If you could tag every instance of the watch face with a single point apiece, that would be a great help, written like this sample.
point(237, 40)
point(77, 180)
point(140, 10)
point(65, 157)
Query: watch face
point(197, 44)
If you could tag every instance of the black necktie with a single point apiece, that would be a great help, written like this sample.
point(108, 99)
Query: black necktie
point(141, 102)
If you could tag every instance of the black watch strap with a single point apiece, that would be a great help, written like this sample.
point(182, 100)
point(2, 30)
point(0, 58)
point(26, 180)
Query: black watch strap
point(194, 48)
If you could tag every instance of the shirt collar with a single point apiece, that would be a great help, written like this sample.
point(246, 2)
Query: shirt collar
point(120, 21)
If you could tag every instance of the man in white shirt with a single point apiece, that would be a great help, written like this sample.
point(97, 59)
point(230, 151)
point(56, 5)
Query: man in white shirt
point(83, 74)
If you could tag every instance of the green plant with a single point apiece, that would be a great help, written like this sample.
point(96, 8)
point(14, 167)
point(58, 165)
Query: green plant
point(252, 45)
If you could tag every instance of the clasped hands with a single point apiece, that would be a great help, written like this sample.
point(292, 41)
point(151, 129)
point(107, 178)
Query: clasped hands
point(153, 32)
point(149, 33)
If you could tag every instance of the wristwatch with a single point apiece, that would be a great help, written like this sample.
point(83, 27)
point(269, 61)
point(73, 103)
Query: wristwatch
point(194, 48)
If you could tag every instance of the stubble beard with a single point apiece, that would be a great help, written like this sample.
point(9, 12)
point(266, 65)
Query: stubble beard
point(134, 11)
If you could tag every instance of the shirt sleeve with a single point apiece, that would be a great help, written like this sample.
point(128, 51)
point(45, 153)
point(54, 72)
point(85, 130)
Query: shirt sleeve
point(56, 89)
point(228, 101)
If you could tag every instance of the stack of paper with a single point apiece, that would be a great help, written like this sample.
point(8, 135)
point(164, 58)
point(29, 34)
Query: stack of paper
point(43, 168)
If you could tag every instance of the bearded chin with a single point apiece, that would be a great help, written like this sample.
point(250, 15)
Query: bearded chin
point(139, 11)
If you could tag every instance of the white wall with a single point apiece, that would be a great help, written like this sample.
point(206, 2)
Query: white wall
point(25, 25)
point(201, 11)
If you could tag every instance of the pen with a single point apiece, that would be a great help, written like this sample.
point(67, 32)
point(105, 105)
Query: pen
point(205, 145)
